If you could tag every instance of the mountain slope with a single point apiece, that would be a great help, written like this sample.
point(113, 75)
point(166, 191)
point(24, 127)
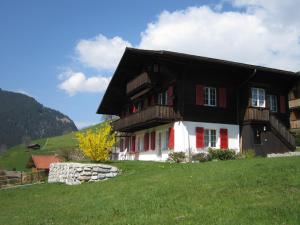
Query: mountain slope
point(23, 118)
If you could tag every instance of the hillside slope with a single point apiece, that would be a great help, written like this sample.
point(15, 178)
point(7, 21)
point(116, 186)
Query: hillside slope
point(17, 156)
point(22, 117)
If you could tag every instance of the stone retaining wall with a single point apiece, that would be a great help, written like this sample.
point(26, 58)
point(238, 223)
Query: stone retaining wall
point(286, 154)
point(77, 173)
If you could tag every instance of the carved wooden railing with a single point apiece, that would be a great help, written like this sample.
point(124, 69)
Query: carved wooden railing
point(295, 103)
point(256, 114)
point(295, 124)
point(152, 113)
point(142, 79)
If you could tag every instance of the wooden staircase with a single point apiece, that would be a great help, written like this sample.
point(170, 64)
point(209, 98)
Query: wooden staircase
point(282, 132)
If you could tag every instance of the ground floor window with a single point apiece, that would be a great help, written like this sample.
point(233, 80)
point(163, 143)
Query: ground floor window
point(140, 144)
point(209, 138)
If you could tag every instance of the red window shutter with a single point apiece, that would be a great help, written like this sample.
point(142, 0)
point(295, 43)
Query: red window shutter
point(199, 95)
point(133, 143)
point(199, 137)
point(134, 109)
point(282, 104)
point(170, 96)
point(224, 138)
point(171, 138)
point(146, 141)
point(153, 140)
point(121, 145)
point(222, 98)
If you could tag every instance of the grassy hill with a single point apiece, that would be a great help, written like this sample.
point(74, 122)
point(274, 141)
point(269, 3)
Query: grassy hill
point(17, 156)
point(254, 191)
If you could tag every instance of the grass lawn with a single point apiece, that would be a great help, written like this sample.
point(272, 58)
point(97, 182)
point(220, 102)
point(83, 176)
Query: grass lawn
point(254, 191)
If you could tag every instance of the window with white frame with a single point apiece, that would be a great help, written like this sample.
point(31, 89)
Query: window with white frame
point(210, 138)
point(166, 141)
point(273, 103)
point(140, 144)
point(258, 97)
point(163, 98)
point(210, 96)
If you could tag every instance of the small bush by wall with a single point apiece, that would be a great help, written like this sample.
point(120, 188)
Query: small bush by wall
point(201, 157)
point(222, 154)
point(176, 157)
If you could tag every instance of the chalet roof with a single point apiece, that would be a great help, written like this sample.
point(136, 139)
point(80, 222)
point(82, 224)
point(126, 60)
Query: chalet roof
point(133, 58)
point(44, 161)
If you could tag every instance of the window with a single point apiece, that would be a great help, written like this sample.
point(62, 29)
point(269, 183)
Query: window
point(160, 99)
point(273, 103)
point(258, 97)
point(210, 138)
point(210, 96)
point(163, 98)
point(166, 142)
point(140, 144)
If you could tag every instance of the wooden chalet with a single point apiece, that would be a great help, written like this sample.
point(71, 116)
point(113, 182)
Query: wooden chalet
point(168, 101)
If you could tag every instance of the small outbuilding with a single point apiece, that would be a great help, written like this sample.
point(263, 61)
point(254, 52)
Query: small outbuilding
point(42, 162)
point(34, 146)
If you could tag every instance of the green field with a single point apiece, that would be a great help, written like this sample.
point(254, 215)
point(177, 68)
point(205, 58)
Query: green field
point(253, 191)
point(17, 156)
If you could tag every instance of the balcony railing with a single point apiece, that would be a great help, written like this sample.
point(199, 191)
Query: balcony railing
point(151, 115)
point(143, 80)
point(295, 124)
point(295, 103)
point(256, 114)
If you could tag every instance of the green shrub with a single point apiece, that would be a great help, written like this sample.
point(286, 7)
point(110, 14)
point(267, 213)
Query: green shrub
point(222, 154)
point(201, 157)
point(176, 157)
point(249, 154)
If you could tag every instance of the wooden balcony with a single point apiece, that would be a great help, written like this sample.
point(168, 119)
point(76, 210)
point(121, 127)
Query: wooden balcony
point(295, 103)
point(256, 114)
point(151, 116)
point(139, 83)
point(295, 124)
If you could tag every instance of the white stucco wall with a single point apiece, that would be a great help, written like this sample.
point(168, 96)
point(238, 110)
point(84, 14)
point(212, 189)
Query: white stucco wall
point(184, 138)
point(185, 135)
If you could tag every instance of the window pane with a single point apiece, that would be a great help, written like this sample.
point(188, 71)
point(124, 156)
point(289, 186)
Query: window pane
point(206, 138)
point(213, 138)
point(206, 96)
point(212, 96)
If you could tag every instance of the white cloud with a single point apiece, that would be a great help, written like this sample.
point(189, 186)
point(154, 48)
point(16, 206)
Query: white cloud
point(101, 52)
point(73, 82)
point(244, 37)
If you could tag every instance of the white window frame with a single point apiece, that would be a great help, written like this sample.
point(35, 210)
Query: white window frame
point(208, 96)
point(273, 103)
point(208, 133)
point(258, 97)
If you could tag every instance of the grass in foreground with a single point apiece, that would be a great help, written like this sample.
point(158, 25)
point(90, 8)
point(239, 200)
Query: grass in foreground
point(257, 191)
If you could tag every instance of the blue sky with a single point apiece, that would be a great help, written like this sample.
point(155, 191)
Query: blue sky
point(57, 51)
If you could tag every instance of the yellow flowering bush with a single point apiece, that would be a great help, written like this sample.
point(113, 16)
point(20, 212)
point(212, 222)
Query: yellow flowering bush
point(97, 144)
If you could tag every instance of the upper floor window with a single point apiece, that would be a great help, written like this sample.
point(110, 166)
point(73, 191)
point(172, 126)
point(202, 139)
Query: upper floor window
point(163, 98)
point(210, 138)
point(258, 97)
point(210, 96)
point(273, 103)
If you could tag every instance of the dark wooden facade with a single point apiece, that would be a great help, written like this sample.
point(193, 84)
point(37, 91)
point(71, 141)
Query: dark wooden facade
point(143, 74)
